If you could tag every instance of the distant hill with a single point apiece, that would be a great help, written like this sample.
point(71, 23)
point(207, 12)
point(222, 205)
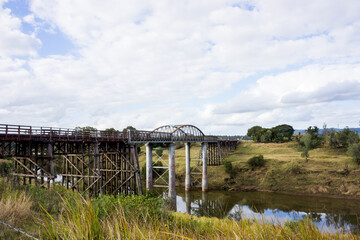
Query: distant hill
point(302, 131)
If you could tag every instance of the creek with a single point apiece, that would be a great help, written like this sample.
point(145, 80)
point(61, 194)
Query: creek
point(329, 214)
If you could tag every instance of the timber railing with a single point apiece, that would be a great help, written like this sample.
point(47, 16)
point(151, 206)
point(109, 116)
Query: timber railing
point(27, 133)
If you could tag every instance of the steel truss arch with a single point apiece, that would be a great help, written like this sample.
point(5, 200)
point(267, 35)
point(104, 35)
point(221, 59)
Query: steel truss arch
point(183, 132)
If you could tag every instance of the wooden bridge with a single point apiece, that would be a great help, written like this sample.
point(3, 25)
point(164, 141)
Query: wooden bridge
point(97, 162)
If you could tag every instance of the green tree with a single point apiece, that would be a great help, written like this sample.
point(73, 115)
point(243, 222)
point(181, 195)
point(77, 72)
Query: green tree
point(131, 128)
point(86, 131)
point(282, 133)
point(342, 139)
point(266, 135)
point(333, 140)
point(306, 141)
point(316, 138)
point(354, 152)
point(110, 130)
point(255, 132)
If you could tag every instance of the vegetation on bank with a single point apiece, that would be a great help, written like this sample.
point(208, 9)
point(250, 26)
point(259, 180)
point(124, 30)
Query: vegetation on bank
point(328, 171)
point(62, 214)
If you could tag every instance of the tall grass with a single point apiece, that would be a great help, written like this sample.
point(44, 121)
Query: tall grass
point(82, 221)
point(133, 217)
point(15, 207)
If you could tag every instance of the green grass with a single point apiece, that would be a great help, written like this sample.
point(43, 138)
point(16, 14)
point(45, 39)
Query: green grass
point(285, 170)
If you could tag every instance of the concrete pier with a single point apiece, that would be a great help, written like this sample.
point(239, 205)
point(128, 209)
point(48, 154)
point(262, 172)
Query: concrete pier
point(172, 190)
point(149, 167)
point(188, 202)
point(204, 168)
point(188, 171)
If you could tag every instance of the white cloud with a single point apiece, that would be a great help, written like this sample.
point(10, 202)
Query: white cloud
point(311, 84)
point(13, 42)
point(140, 63)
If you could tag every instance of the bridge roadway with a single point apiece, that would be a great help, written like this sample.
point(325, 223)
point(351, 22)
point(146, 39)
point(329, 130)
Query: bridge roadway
point(104, 161)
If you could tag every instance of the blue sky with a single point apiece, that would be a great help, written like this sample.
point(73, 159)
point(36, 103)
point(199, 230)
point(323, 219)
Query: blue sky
point(223, 66)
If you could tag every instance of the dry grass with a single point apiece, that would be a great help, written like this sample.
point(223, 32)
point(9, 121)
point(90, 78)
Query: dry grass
point(15, 207)
point(284, 170)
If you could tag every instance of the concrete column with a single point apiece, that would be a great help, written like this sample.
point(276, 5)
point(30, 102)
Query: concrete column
point(188, 202)
point(172, 190)
point(97, 160)
point(188, 171)
point(149, 167)
point(204, 168)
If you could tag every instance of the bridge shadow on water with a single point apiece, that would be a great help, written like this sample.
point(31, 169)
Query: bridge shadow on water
point(329, 214)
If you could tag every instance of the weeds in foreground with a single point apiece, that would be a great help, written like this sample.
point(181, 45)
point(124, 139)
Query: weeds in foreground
point(15, 207)
point(82, 221)
point(134, 217)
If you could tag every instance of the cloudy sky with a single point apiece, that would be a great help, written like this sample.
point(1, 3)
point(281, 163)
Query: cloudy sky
point(223, 66)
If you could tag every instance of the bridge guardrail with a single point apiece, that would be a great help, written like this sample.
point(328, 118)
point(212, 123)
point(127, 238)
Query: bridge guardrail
point(21, 132)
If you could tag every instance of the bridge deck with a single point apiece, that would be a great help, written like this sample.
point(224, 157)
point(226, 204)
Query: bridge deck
point(50, 134)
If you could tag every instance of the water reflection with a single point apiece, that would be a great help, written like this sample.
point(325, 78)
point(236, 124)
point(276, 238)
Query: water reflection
point(329, 214)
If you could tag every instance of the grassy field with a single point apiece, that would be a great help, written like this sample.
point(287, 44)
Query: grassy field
point(285, 170)
point(62, 214)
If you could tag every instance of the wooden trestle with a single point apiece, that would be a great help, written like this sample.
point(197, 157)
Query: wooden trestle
point(90, 164)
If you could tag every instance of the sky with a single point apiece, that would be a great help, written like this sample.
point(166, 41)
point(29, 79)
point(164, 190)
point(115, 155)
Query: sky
point(223, 66)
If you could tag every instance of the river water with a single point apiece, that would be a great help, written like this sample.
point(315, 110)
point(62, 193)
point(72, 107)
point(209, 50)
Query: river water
point(329, 214)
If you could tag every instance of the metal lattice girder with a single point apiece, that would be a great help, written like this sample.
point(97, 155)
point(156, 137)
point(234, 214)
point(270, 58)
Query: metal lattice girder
point(160, 181)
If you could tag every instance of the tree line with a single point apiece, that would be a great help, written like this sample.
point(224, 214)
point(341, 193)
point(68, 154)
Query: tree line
point(344, 140)
point(280, 133)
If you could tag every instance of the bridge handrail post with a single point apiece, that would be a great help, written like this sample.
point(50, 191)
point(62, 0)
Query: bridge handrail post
point(6, 131)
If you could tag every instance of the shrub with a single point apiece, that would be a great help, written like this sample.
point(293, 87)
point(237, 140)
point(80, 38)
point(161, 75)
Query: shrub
point(5, 168)
point(256, 161)
point(295, 169)
point(354, 152)
point(229, 169)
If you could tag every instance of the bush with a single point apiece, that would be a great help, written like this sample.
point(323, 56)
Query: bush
point(229, 169)
point(354, 152)
point(5, 168)
point(295, 169)
point(256, 161)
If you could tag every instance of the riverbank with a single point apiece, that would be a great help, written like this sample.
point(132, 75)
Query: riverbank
point(59, 213)
point(327, 173)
